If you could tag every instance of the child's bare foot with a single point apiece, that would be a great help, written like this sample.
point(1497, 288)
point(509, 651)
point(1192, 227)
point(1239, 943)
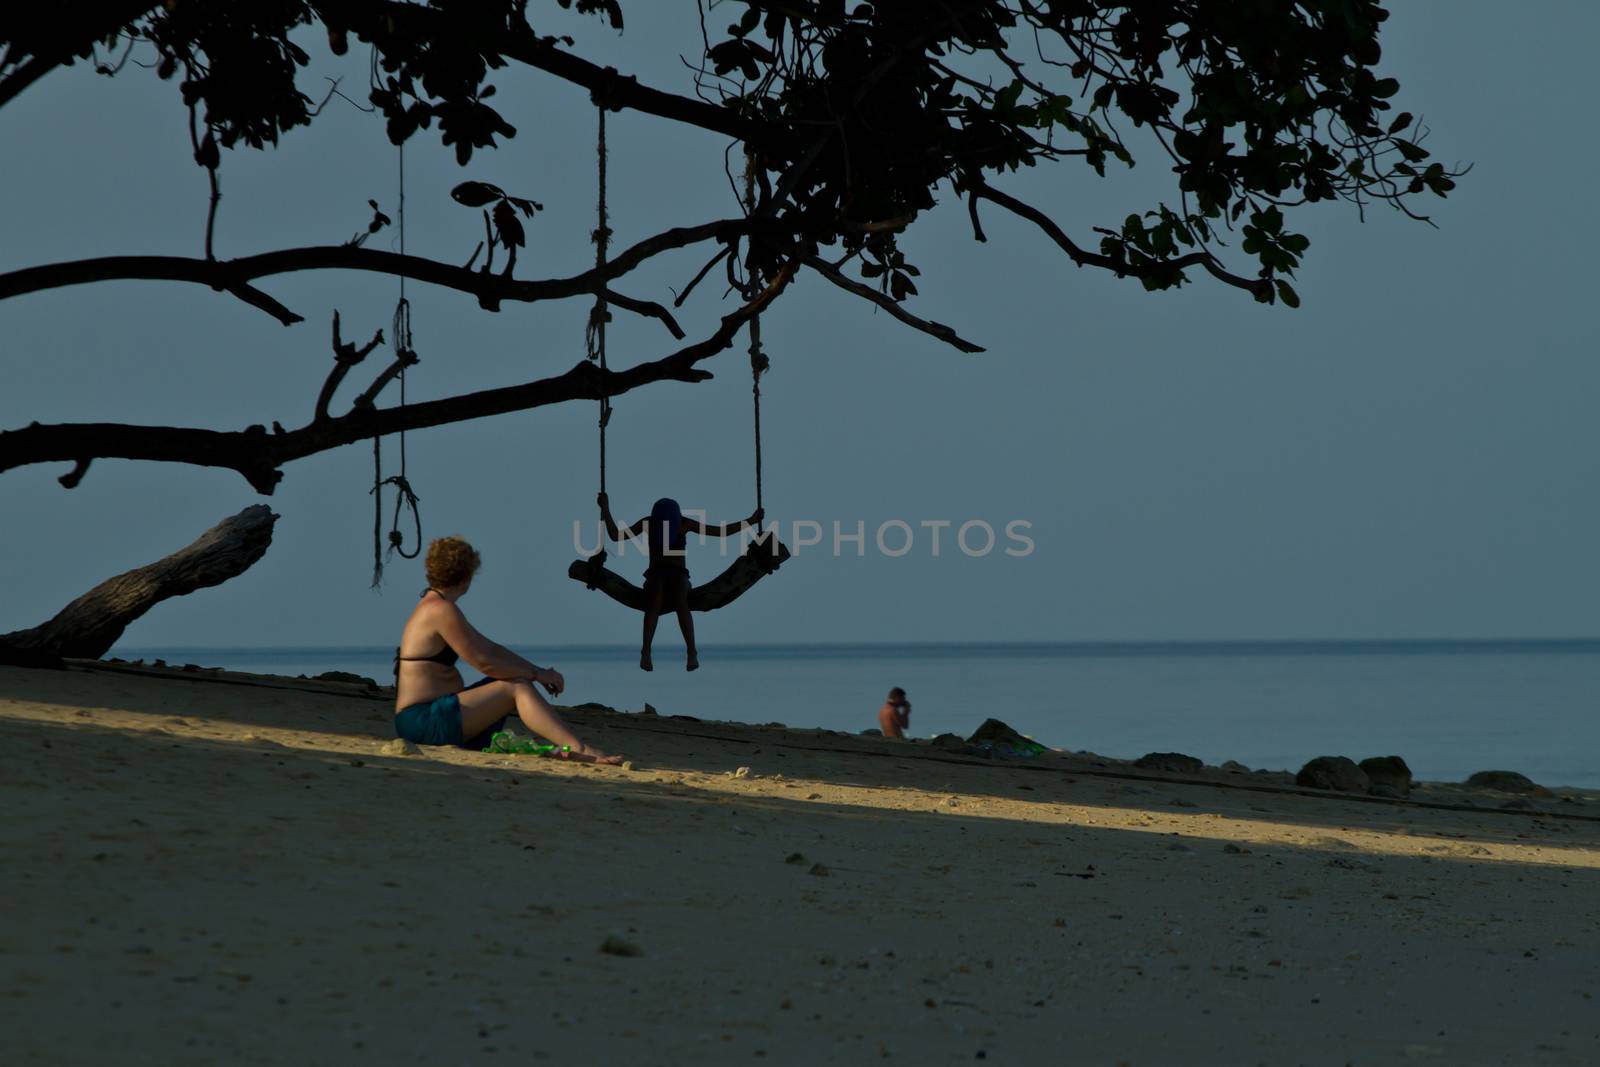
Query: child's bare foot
point(644, 662)
point(694, 662)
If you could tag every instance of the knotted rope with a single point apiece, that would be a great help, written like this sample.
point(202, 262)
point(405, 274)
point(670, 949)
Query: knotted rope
point(405, 496)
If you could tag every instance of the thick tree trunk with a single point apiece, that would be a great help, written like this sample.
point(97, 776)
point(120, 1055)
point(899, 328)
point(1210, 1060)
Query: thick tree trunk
point(91, 624)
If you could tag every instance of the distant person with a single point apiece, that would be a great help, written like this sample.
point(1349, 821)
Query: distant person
point(432, 707)
point(894, 718)
point(666, 579)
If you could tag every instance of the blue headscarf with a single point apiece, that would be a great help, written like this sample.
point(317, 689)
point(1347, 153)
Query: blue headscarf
point(666, 526)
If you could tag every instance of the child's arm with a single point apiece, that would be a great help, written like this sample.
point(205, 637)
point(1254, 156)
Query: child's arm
point(611, 524)
point(727, 530)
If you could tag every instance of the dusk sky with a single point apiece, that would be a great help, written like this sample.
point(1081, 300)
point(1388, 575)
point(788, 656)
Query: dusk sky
point(1414, 453)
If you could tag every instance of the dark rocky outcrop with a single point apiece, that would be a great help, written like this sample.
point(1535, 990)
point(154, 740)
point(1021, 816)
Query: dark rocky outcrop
point(345, 676)
point(996, 732)
point(1333, 772)
point(30, 657)
point(1389, 772)
point(1504, 781)
point(1171, 762)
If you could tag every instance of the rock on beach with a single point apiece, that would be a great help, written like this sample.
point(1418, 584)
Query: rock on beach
point(1333, 772)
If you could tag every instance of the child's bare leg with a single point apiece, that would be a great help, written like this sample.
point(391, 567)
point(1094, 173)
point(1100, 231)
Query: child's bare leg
point(652, 613)
point(686, 624)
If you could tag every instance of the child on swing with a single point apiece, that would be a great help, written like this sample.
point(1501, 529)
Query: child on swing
point(666, 579)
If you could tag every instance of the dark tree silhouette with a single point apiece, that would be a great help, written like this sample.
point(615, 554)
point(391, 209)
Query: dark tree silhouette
point(92, 623)
point(851, 116)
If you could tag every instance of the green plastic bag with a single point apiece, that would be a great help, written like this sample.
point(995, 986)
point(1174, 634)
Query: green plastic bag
point(511, 745)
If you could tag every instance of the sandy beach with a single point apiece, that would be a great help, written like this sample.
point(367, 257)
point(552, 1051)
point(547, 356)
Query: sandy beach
point(209, 871)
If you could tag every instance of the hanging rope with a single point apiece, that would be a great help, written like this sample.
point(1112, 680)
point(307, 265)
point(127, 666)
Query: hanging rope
point(600, 314)
point(758, 367)
point(400, 331)
point(758, 358)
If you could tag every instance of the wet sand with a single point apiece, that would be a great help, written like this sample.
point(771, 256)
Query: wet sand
point(202, 872)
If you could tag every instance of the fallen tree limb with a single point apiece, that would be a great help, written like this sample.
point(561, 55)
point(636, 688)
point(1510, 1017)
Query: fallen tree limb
point(759, 559)
point(91, 624)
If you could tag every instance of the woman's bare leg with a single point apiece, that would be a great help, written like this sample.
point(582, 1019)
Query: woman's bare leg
point(652, 613)
point(482, 706)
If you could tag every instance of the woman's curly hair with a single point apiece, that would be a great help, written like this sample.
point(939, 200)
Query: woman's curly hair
point(451, 561)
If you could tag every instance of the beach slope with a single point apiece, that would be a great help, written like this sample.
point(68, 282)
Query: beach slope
point(199, 871)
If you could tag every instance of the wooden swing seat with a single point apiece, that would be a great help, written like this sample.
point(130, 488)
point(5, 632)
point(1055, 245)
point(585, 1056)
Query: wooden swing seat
point(760, 558)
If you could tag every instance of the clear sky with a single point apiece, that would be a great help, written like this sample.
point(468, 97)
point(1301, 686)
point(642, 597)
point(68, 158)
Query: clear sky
point(1412, 454)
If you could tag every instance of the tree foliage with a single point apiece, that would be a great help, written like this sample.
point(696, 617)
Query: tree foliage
point(854, 118)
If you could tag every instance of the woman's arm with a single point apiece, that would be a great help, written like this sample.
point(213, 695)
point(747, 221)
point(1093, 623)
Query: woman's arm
point(488, 657)
point(727, 530)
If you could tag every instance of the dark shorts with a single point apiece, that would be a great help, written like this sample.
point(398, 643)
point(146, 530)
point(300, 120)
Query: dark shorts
point(670, 579)
point(438, 722)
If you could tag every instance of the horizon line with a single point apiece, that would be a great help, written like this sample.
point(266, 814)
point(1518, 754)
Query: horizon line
point(1102, 643)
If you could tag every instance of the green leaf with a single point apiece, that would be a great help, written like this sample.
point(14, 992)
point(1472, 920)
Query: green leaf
point(1287, 294)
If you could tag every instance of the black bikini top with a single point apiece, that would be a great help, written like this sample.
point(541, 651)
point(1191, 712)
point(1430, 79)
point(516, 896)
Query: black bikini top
point(445, 657)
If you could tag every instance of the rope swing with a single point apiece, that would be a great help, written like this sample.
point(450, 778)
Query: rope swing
point(404, 496)
point(763, 555)
point(595, 333)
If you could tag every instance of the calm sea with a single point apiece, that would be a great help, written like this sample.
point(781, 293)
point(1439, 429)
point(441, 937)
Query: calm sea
point(1450, 708)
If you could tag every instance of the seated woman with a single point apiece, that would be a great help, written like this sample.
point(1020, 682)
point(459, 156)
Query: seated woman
point(666, 579)
point(432, 706)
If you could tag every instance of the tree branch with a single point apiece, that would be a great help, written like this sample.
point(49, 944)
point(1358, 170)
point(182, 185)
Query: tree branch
point(256, 455)
point(88, 23)
point(345, 356)
point(933, 329)
point(92, 623)
point(648, 308)
point(233, 275)
point(372, 19)
point(1255, 286)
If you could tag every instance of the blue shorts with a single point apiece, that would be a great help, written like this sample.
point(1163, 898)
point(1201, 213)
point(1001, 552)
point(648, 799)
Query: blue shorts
point(438, 722)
